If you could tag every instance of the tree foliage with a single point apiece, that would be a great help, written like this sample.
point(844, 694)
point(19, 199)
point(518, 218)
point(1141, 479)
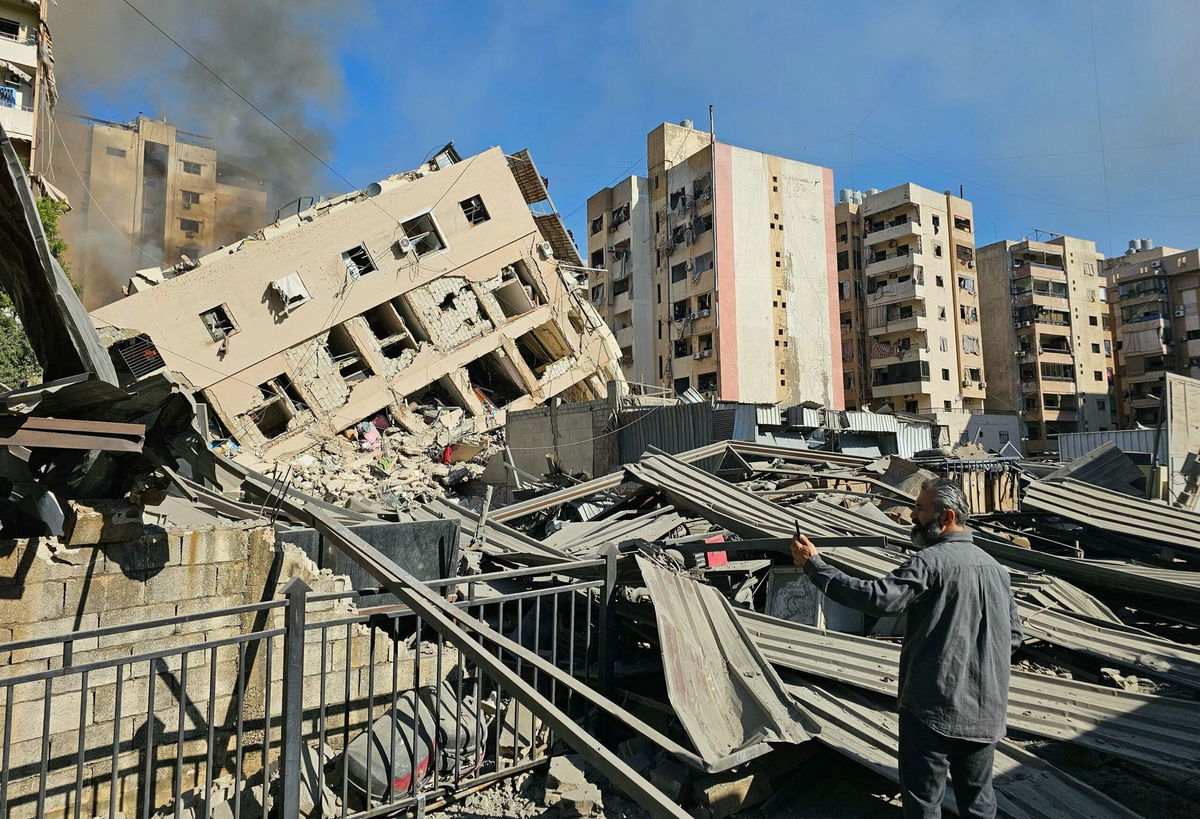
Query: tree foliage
point(18, 365)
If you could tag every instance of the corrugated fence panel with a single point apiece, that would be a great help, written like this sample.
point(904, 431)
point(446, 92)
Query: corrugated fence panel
point(1077, 444)
point(913, 438)
point(673, 429)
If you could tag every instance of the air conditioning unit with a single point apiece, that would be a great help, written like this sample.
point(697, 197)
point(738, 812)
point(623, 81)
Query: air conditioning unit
point(1180, 311)
point(971, 264)
point(705, 353)
point(405, 244)
point(966, 382)
point(697, 355)
point(191, 234)
point(1156, 263)
point(611, 248)
point(545, 249)
point(689, 265)
point(703, 314)
point(983, 385)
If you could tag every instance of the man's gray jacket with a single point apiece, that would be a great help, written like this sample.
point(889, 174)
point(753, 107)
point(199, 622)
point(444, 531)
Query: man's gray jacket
point(961, 630)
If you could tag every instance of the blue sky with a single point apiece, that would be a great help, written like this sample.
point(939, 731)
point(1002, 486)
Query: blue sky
point(1076, 116)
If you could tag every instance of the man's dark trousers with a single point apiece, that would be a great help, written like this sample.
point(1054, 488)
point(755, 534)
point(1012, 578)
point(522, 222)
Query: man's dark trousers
point(926, 756)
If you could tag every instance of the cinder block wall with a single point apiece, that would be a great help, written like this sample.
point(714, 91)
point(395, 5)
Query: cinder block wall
point(49, 589)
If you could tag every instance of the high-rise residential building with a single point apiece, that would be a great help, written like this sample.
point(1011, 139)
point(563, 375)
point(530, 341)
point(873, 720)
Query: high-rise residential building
point(716, 271)
point(1153, 293)
point(1046, 335)
point(146, 193)
point(27, 88)
point(908, 301)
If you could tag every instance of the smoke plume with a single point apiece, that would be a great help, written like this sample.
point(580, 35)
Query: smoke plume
point(277, 53)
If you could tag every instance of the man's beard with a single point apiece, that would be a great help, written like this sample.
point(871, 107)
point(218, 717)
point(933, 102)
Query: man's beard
point(924, 535)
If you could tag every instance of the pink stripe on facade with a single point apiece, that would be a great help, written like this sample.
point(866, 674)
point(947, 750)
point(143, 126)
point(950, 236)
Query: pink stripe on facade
point(727, 354)
point(837, 398)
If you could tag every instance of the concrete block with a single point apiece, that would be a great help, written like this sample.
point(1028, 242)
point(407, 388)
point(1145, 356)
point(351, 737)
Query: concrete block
point(101, 521)
point(581, 801)
point(53, 628)
point(183, 582)
point(565, 771)
point(146, 555)
point(137, 616)
point(108, 592)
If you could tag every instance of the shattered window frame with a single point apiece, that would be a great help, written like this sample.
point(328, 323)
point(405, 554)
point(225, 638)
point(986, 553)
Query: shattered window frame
point(189, 199)
point(474, 209)
point(359, 261)
point(420, 238)
point(190, 227)
point(188, 165)
point(219, 322)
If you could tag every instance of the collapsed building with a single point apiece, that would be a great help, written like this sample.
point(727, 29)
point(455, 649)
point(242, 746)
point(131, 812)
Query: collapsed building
point(434, 301)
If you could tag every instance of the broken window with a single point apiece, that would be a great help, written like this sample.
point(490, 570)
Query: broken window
point(702, 224)
point(190, 167)
point(620, 286)
point(964, 253)
point(598, 259)
point(515, 298)
point(619, 217)
point(272, 419)
point(597, 225)
point(218, 322)
point(962, 223)
point(704, 262)
point(117, 152)
point(706, 382)
point(496, 378)
point(541, 347)
point(679, 310)
point(358, 261)
point(704, 343)
point(474, 210)
point(190, 227)
point(421, 236)
point(704, 303)
point(679, 272)
point(702, 188)
point(190, 198)
point(682, 385)
point(290, 291)
point(345, 355)
point(598, 294)
point(682, 347)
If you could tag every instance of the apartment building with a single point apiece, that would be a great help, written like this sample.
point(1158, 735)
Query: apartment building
point(154, 193)
point(434, 295)
point(27, 88)
point(716, 271)
point(1047, 339)
point(908, 301)
point(1153, 294)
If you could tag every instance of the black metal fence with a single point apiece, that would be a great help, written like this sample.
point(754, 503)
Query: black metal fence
point(376, 712)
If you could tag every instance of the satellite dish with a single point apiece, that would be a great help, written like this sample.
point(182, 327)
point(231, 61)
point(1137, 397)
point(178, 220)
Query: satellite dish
point(374, 189)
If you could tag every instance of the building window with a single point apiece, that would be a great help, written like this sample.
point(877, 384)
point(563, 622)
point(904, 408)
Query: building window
point(1100, 404)
point(937, 251)
point(843, 291)
point(703, 224)
point(704, 262)
point(1092, 320)
point(1095, 348)
point(679, 272)
point(191, 167)
point(937, 226)
point(474, 210)
point(945, 374)
point(218, 323)
point(703, 302)
point(1003, 436)
point(243, 210)
point(597, 259)
point(190, 227)
point(1097, 375)
point(843, 260)
point(290, 291)
point(9, 29)
point(190, 198)
point(946, 404)
point(597, 225)
point(910, 406)
point(358, 261)
point(421, 236)
point(938, 281)
point(598, 294)
point(119, 153)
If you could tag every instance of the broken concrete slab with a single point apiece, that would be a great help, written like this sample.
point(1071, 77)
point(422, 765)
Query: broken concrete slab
point(89, 523)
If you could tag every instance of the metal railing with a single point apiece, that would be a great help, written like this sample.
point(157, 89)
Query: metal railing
point(229, 715)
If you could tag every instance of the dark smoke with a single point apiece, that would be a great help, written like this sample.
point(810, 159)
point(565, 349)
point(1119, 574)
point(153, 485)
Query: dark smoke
point(278, 53)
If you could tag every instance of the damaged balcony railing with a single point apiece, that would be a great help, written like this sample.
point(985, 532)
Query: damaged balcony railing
point(390, 715)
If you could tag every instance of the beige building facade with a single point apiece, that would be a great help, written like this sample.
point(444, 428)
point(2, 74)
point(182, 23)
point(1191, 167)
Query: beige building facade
point(1153, 292)
point(734, 292)
point(1048, 342)
point(908, 301)
point(27, 87)
point(436, 295)
point(154, 193)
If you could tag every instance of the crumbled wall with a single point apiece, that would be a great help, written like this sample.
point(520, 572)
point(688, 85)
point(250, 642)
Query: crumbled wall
point(448, 311)
point(48, 589)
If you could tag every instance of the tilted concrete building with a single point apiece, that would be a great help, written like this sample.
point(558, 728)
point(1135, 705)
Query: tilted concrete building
point(1047, 342)
point(716, 271)
point(153, 193)
point(27, 87)
point(436, 294)
point(1154, 293)
point(908, 301)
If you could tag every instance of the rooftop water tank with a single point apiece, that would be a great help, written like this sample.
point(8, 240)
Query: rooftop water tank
point(687, 123)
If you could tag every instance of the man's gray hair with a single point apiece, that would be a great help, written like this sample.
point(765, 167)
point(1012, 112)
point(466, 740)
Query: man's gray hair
point(947, 495)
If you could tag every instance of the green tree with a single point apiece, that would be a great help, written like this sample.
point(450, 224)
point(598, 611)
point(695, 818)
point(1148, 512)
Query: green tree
point(18, 365)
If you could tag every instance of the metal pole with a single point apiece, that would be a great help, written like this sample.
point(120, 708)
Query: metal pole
point(296, 592)
point(608, 620)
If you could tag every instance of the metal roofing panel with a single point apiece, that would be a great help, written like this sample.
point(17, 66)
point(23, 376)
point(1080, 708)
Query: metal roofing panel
point(671, 428)
point(531, 183)
point(769, 415)
point(870, 421)
point(708, 659)
point(1026, 786)
point(1106, 466)
point(551, 226)
point(1153, 730)
point(913, 438)
point(1073, 445)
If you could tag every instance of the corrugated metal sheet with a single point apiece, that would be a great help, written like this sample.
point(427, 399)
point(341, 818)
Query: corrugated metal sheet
point(1026, 786)
point(672, 428)
point(768, 415)
point(1145, 728)
point(804, 417)
point(723, 424)
point(1077, 444)
point(1115, 512)
point(870, 421)
point(913, 438)
point(1105, 466)
point(863, 445)
point(708, 660)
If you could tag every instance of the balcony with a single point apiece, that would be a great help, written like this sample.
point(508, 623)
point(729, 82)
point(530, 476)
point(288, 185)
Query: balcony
point(1044, 298)
point(1058, 385)
point(23, 52)
point(889, 293)
point(913, 353)
point(892, 264)
point(893, 232)
point(916, 385)
point(1052, 414)
point(900, 324)
point(18, 121)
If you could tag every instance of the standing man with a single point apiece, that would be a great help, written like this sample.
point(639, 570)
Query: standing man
point(961, 631)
